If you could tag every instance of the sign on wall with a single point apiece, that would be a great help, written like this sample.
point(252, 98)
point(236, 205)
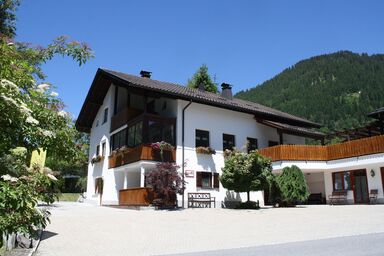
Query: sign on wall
point(189, 173)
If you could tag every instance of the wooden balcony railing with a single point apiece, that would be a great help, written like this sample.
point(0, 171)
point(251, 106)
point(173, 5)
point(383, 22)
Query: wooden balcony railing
point(123, 117)
point(142, 152)
point(136, 196)
point(354, 148)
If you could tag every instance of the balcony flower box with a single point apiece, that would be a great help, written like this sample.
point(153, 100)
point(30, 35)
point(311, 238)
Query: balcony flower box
point(205, 150)
point(97, 159)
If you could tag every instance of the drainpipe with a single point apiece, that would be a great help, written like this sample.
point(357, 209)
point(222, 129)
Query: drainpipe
point(182, 145)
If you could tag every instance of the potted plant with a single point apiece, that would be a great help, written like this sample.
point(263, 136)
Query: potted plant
point(161, 147)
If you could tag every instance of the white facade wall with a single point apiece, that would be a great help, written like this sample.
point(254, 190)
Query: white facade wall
point(99, 134)
point(326, 168)
point(218, 121)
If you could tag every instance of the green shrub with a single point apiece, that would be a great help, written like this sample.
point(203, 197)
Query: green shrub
point(252, 205)
point(292, 185)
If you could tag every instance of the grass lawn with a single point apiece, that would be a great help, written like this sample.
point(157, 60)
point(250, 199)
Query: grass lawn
point(69, 197)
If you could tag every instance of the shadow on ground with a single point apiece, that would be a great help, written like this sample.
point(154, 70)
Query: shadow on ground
point(47, 234)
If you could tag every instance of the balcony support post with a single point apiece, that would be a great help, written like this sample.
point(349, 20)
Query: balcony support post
point(125, 184)
point(142, 176)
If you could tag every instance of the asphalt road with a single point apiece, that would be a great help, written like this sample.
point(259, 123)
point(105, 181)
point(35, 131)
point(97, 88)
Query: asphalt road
point(371, 244)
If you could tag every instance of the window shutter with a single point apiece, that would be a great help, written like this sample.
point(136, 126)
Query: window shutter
point(198, 179)
point(216, 182)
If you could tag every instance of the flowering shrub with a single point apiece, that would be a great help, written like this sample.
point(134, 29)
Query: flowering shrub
point(166, 183)
point(205, 150)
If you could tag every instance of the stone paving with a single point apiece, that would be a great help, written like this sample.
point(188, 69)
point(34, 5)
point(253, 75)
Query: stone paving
point(83, 229)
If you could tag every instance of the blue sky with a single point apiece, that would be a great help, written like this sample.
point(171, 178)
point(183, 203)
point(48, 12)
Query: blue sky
point(243, 42)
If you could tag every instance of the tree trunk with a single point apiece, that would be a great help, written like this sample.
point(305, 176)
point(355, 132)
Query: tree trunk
point(248, 196)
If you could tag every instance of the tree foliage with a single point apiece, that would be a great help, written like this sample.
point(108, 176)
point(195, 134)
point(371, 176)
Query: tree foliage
point(336, 90)
point(8, 17)
point(32, 118)
point(202, 77)
point(245, 172)
point(293, 185)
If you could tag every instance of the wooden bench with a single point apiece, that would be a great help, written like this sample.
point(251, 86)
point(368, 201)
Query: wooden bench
point(373, 196)
point(338, 196)
point(200, 200)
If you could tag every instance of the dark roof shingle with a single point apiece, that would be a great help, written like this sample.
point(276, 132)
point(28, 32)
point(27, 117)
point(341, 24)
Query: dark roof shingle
point(185, 93)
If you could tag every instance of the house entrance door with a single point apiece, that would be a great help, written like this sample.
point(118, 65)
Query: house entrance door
point(360, 187)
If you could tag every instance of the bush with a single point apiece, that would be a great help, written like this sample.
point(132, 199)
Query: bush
point(252, 205)
point(292, 185)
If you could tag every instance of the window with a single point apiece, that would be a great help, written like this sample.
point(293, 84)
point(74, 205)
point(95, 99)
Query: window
point(272, 143)
point(251, 144)
point(202, 138)
point(105, 117)
point(207, 180)
point(97, 150)
point(341, 180)
point(160, 131)
point(103, 149)
point(135, 133)
point(119, 139)
point(228, 141)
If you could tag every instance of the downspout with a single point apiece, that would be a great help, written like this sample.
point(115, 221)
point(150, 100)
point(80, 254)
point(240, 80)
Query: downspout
point(182, 150)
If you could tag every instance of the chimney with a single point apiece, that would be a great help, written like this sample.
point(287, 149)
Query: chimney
point(146, 74)
point(226, 91)
point(201, 87)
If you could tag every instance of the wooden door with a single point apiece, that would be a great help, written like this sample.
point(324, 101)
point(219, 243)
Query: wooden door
point(360, 187)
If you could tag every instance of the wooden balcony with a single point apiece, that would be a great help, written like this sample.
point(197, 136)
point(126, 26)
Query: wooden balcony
point(142, 152)
point(136, 196)
point(354, 148)
point(123, 117)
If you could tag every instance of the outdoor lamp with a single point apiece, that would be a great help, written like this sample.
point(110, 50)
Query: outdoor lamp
point(372, 173)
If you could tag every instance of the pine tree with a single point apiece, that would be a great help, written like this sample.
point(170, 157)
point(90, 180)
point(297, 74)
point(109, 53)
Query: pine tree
point(202, 77)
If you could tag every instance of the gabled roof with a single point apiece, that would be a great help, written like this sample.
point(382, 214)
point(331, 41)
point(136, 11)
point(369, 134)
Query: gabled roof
point(104, 78)
point(295, 130)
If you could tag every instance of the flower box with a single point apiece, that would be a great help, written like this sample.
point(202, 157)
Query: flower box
point(205, 150)
point(97, 159)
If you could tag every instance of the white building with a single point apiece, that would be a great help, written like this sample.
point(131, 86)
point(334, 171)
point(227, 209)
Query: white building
point(130, 112)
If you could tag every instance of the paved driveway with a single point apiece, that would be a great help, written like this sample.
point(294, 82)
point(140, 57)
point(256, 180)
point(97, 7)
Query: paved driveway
point(82, 229)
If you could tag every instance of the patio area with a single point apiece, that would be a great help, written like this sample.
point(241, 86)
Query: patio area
point(84, 229)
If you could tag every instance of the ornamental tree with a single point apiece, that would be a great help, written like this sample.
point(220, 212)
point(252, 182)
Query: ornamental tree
point(202, 77)
point(166, 182)
point(245, 172)
point(292, 185)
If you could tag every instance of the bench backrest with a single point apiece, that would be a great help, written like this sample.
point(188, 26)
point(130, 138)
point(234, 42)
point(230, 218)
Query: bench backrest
point(340, 193)
point(199, 195)
point(374, 191)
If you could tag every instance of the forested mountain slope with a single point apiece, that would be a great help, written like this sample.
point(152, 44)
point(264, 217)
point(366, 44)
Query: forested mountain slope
point(336, 90)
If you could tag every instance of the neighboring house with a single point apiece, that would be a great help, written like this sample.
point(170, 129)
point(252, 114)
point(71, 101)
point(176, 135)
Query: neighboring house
point(128, 112)
point(355, 166)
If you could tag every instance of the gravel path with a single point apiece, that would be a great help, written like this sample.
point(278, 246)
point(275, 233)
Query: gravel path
point(82, 229)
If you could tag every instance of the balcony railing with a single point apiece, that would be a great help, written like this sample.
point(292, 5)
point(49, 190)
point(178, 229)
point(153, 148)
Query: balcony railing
point(354, 148)
point(142, 152)
point(136, 196)
point(123, 117)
